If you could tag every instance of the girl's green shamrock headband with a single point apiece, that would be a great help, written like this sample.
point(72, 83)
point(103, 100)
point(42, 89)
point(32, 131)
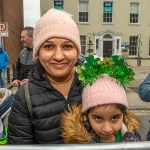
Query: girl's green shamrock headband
point(113, 66)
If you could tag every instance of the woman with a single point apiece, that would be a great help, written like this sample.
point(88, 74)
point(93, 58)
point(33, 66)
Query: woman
point(53, 84)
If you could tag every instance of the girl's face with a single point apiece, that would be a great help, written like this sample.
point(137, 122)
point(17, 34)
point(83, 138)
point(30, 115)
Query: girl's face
point(58, 57)
point(106, 121)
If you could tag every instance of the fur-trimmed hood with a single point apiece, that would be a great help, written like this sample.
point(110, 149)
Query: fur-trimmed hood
point(72, 127)
point(74, 131)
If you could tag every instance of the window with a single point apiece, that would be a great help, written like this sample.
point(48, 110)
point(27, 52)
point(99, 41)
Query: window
point(97, 46)
point(107, 11)
point(58, 4)
point(83, 44)
point(134, 12)
point(83, 11)
point(133, 44)
point(97, 43)
point(107, 36)
point(118, 43)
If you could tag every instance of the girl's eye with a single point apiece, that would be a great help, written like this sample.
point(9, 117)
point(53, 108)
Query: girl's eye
point(115, 118)
point(97, 118)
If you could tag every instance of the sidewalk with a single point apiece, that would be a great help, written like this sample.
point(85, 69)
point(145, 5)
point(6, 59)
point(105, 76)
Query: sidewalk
point(135, 103)
point(133, 98)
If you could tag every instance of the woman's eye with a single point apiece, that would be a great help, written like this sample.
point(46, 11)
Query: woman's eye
point(67, 46)
point(48, 46)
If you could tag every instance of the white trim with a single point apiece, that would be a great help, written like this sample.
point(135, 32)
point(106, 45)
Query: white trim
point(114, 35)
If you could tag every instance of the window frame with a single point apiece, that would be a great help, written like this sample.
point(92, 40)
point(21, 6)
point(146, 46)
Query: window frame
point(83, 44)
point(133, 45)
point(136, 19)
point(108, 16)
point(84, 18)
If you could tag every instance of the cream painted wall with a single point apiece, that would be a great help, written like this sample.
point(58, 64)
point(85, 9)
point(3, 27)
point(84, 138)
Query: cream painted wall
point(121, 19)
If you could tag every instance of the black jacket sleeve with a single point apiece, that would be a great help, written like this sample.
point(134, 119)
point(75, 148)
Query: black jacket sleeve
point(16, 72)
point(20, 127)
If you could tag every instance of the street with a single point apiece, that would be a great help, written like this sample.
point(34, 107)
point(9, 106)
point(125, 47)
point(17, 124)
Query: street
point(144, 118)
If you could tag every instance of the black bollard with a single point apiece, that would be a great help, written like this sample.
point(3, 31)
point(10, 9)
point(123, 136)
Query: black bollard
point(8, 75)
point(139, 61)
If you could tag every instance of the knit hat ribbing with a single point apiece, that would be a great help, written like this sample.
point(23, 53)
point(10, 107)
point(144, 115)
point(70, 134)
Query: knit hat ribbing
point(53, 24)
point(103, 91)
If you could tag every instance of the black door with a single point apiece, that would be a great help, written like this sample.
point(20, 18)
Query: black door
point(107, 48)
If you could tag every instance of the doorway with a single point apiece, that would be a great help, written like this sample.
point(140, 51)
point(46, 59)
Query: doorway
point(107, 48)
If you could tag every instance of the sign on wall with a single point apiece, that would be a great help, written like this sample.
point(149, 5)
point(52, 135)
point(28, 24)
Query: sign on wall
point(108, 6)
point(4, 29)
point(58, 4)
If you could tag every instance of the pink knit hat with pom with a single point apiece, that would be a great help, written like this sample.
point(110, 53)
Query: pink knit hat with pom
point(103, 91)
point(53, 24)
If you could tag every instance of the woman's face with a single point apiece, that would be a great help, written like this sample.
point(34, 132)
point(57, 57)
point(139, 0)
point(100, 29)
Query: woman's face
point(106, 121)
point(58, 57)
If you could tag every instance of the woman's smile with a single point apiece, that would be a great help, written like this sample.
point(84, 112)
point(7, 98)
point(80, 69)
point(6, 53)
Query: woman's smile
point(59, 65)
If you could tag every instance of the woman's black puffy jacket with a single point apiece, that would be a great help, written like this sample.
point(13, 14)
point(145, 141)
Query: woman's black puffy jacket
point(48, 104)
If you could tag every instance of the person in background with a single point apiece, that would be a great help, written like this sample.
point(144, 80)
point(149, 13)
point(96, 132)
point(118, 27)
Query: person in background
point(25, 61)
point(103, 116)
point(144, 93)
point(53, 83)
point(4, 60)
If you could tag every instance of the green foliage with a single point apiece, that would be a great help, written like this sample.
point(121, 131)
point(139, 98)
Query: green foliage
point(113, 66)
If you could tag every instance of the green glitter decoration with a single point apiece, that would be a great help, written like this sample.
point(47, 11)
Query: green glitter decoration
point(112, 66)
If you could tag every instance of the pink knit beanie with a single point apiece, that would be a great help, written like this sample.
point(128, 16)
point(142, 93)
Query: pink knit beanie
point(104, 81)
point(103, 91)
point(53, 24)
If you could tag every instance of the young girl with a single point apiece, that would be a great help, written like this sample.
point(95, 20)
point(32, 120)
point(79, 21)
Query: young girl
point(104, 116)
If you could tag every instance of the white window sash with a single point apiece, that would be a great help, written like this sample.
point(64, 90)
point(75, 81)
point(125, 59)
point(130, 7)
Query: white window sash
point(134, 8)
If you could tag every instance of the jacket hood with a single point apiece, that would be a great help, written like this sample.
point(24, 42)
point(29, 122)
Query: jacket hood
point(72, 127)
point(74, 131)
point(1, 49)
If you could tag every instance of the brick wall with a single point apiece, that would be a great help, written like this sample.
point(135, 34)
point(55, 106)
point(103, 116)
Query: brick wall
point(12, 12)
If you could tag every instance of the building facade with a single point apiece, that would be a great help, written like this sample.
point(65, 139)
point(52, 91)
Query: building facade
point(11, 12)
point(110, 27)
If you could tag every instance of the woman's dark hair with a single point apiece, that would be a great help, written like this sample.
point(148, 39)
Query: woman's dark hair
point(38, 71)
